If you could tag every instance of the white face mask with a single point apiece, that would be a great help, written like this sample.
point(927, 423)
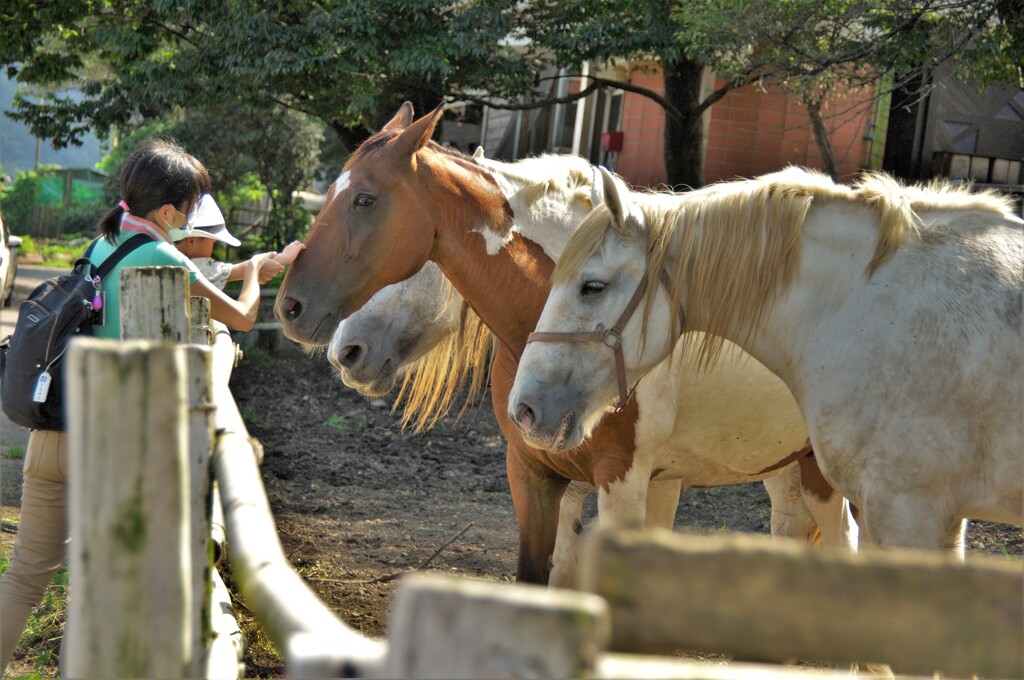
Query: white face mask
point(175, 233)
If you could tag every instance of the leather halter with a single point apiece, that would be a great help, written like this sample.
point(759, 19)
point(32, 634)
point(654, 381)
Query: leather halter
point(611, 337)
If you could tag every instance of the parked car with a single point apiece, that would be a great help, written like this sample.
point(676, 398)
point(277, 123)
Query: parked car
point(8, 263)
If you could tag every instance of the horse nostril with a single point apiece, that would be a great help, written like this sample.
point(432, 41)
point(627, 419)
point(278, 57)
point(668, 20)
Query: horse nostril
point(525, 416)
point(350, 355)
point(292, 308)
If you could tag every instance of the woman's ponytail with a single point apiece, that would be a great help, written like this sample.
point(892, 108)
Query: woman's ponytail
point(110, 224)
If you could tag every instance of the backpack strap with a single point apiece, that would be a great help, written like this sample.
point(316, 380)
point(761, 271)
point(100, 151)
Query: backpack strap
point(122, 251)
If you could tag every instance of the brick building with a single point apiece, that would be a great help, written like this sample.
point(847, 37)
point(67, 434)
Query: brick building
point(955, 132)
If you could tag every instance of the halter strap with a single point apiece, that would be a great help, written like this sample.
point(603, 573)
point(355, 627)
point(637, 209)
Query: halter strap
point(612, 337)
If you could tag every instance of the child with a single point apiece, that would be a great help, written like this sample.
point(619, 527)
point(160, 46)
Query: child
point(208, 227)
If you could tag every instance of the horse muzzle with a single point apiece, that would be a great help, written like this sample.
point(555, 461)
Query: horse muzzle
point(559, 434)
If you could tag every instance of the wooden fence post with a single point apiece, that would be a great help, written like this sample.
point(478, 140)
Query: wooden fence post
point(131, 614)
point(200, 401)
point(204, 505)
point(200, 330)
point(446, 627)
point(154, 303)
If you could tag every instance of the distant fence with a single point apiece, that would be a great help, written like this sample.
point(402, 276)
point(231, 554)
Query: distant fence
point(142, 417)
point(72, 200)
point(63, 197)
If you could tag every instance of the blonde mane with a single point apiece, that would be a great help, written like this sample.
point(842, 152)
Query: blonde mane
point(460, 364)
point(736, 245)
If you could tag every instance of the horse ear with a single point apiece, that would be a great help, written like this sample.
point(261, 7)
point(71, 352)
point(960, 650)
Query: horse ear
point(401, 119)
point(416, 136)
point(620, 205)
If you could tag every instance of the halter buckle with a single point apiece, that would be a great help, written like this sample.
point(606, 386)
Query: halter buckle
point(612, 338)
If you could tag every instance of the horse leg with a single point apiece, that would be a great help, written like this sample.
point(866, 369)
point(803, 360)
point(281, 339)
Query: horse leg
point(567, 541)
point(536, 494)
point(913, 527)
point(834, 519)
point(956, 539)
point(662, 503)
point(790, 515)
point(830, 510)
point(622, 497)
point(909, 519)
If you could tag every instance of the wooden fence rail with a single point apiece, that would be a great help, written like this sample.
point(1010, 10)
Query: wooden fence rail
point(758, 598)
point(144, 411)
point(280, 599)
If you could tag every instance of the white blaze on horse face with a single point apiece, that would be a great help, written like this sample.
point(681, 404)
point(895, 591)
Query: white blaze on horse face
point(339, 185)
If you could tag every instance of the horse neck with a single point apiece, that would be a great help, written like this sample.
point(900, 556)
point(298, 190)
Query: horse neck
point(503, 275)
point(836, 243)
point(549, 213)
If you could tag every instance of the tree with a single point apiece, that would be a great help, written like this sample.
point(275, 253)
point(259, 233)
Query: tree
point(284, 147)
point(599, 30)
point(809, 47)
point(348, 64)
point(814, 48)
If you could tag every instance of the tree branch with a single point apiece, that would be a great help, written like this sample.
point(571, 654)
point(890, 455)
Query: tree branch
point(596, 84)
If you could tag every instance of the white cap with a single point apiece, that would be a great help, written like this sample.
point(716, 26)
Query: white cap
point(207, 223)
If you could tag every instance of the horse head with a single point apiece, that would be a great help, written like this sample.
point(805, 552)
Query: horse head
point(371, 232)
point(570, 371)
point(375, 346)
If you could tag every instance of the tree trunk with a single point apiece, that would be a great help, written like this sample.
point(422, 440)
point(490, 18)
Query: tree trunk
point(684, 138)
point(828, 159)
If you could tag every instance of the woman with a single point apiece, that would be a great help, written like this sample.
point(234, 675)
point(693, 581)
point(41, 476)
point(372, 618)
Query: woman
point(160, 188)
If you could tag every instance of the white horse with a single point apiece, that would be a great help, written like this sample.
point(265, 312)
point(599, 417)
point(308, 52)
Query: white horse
point(735, 423)
point(892, 313)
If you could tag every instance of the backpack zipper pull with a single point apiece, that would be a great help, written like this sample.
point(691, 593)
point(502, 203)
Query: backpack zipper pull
point(97, 298)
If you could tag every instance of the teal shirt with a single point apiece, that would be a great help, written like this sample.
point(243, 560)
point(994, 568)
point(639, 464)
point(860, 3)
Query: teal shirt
point(154, 254)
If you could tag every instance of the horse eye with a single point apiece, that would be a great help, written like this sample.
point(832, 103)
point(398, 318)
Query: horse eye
point(363, 201)
point(591, 288)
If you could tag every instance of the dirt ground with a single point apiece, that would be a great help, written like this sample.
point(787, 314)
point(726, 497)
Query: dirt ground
point(356, 499)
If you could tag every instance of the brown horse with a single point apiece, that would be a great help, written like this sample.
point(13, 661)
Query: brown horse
point(403, 200)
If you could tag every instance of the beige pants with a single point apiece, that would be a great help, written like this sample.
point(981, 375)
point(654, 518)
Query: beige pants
point(42, 541)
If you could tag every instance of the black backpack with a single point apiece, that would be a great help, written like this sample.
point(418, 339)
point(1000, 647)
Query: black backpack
point(31, 370)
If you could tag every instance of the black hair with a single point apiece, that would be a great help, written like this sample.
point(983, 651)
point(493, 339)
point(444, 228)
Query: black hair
point(158, 172)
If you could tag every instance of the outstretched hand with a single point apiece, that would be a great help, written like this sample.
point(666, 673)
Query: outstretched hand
point(266, 266)
point(290, 252)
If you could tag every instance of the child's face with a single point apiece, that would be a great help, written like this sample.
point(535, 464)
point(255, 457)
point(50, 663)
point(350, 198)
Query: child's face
point(196, 246)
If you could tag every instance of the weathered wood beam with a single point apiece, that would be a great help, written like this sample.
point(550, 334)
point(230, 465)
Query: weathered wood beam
point(755, 598)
